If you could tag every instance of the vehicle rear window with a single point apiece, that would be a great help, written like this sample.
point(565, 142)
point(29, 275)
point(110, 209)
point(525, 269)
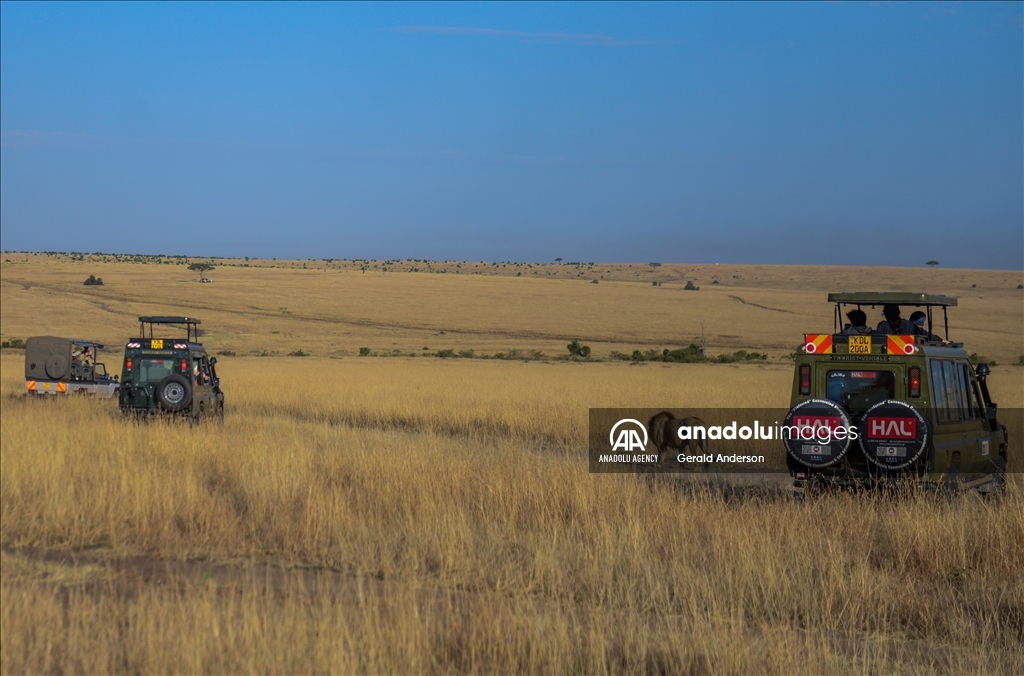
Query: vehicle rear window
point(857, 391)
point(155, 370)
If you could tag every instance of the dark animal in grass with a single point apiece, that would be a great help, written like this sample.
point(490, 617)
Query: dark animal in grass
point(664, 429)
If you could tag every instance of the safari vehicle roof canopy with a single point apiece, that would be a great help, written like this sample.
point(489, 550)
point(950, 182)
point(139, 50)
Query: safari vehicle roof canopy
point(191, 325)
point(902, 298)
point(87, 343)
point(892, 297)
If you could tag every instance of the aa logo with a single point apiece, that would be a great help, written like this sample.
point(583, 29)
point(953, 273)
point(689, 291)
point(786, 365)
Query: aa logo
point(628, 438)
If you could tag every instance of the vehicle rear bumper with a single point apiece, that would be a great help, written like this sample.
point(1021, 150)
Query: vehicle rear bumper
point(58, 387)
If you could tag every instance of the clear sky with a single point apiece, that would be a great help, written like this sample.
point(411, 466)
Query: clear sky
point(836, 133)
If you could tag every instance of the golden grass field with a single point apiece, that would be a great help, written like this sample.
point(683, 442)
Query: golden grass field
point(423, 515)
point(334, 309)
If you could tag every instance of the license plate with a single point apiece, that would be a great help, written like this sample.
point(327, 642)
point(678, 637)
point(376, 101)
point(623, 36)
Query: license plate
point(157, 344)
point(860, 344)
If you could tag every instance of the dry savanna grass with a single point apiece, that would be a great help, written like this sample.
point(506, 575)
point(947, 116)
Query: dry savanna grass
point(420, 515)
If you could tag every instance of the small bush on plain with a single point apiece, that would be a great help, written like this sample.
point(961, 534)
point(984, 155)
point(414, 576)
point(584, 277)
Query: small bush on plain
point(976, 359)
point(578, 350)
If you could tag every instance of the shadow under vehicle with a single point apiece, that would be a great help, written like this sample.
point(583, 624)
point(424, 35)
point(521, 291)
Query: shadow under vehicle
point(871, 408)
point(55, 366)
point(170, 376)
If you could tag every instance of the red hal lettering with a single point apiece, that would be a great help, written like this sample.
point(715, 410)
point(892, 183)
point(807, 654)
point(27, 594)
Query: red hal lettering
point(892, 428)
point(814, 422)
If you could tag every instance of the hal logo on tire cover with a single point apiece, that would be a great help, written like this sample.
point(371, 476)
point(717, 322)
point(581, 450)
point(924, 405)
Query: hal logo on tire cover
point(892, 428)
point(894, 434)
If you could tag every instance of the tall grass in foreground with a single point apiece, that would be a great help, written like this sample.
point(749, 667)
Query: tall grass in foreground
point(250, 628)
point(470, 537)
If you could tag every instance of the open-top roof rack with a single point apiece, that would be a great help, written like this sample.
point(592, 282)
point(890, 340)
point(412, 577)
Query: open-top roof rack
point(191, 325)
point(87, 343)
point(875, 298)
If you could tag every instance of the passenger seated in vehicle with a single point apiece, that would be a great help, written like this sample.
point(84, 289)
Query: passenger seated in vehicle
point(918, 319)
point(858, 323)
point(894, 324)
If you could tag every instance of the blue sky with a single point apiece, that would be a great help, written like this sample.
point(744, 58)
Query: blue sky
point(838, 133)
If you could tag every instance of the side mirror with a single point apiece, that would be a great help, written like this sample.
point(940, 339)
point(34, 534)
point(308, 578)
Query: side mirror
point(983, 370)
point(213, 361)
point(990, 412)
point(216, 383)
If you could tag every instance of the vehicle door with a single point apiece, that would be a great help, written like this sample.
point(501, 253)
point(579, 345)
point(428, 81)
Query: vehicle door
point(956, 439)
point(202, 382)
point(986, 443)
point(206, 385)
point(215, 381)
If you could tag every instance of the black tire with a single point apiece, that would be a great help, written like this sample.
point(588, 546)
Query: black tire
point(174, 393)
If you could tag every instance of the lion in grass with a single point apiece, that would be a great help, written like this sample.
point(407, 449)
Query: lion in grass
point(664, 429)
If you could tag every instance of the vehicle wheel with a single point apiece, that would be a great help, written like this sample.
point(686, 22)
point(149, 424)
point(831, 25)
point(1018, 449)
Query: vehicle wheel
point(814, 452)
point(952, 480)
point(174, 393)
point(814, 488)
point(56, 367)
point(999, 487)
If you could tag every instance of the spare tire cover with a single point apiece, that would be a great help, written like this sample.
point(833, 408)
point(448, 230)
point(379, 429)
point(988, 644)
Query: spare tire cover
point(812, 433)
point(893, 434)
point(56, 366)
point(174, 392)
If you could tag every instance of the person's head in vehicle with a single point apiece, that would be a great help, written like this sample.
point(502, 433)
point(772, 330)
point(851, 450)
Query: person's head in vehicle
point(858, 322)
point(893, 323)
point(919, 319)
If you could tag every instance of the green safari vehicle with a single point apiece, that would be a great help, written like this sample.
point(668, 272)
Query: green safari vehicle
point(872, 405)
point(170, 376)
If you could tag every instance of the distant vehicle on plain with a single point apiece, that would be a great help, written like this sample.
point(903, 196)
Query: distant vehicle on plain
point(55, 366)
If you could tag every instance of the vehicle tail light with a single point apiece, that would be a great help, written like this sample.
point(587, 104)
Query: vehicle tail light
point(184, 366)
point(915, 381)
point(128, 364)
point(805, 378)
